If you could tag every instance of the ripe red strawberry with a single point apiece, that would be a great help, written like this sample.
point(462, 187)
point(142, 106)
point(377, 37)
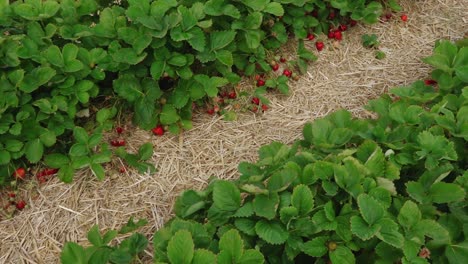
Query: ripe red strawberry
point(310, 36)
point(232, 95)
point(430, 82)
point(115, 143)
point(260, 83)
point(338, 35)
point(332, 15)
point(158, 130)
point(19, 173)
point(210, 111)
point(282, 59)
point(342, 27)
point(287, 73)
point(331, 34)
point(264, 107)
point(275, 67)
point(352, 22)
point(404, 18)
point(20, 205)
point(119, 130)
point(255, 100)
point(12, 195)
point(319, 45)
point(122, 169)
point(257, 77)
point(388, 16)
point(121, 142)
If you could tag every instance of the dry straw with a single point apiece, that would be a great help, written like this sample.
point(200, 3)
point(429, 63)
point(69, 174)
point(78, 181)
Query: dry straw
point(346, 76)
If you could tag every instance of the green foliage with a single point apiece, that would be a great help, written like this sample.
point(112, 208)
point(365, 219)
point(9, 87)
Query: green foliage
point(101, 251)
point(381, 190)
point(60, 58)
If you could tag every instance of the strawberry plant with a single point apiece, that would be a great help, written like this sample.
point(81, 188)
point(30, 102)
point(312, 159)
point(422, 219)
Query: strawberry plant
point(385, 190)
point(63, 60)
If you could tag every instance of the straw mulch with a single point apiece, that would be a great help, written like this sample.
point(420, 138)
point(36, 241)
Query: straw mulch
point(345, 76)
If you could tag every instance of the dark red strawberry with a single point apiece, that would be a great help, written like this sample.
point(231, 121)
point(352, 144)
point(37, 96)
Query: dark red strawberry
point(332, 15)
point(20, 205)
point(282, 59)
point(19, 173)
point(404, 18)
point(275, 67)
point(338, 35)
point(256, 100)
point(232, 95)
point(264, 107)
point(331, 34)
point(119, 130)
point(310, 36)
point(122, 169)
point(260, 83)
point(388, 16)
point(352, 22)
point(210, 111)
point(342, 27)
point(287, 73)
point(158, 130)
point(319, 45)
point(314, 13)
point(115, 143)
point(11, 195)
point(430, 82)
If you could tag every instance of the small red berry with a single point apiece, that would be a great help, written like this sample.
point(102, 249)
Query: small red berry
point(314, 13)
point(338, 35)
point(20, 205)
point(275, 67)
point(332, 15)
point(430, 82)
point(424, 253)
point(122, 169)
point(224, 94)
point(310, 36)
point(232, 95)
point(254, 109)
point(257, 77)
point(260, 83)
point(287, 73)
point(19, 173)
point(121, 142)
point(388, 16)
point(352, 22)
point(404, 18)
point(256, 100)
point(11, 195)
point(158, 130)
point(119, 130)
point(282, 59)
point(342, 27)
point(319, 45)
point(210, 111)
point(264, 107)
point(115, 143)
point(331, 34)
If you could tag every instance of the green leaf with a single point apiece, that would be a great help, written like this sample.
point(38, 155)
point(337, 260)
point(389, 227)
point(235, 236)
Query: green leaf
point(73, 253)
point(370, 209)
point(246, 226)
point(203, 256)
point(94, 236)
point(343, 255)
point(169, 115)
point(98, 171)
point(272, 232)
point(5, 157)
point(225, 57)
point(362, 230)
point(302, 199)
point(80, 135)
point(442, 192)
point(252, 256)
point(317, 247)
point(65, 173)
point(157, 69)
point(220, 39)
point(131, 225)
point(266, 205)
point(145, 151)
point(177, 60)
point(457, 253)
point(34, 150)
point(409, 214)
point(181, 248)
point(281, 180)
point(54, 56)
point(252, 38)
point(226, 196)
point(232, 245)
point(389, 233)
point(274, 9)
point(256, 5)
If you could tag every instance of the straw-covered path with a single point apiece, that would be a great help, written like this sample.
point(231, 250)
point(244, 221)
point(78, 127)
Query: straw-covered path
point(345, 76)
